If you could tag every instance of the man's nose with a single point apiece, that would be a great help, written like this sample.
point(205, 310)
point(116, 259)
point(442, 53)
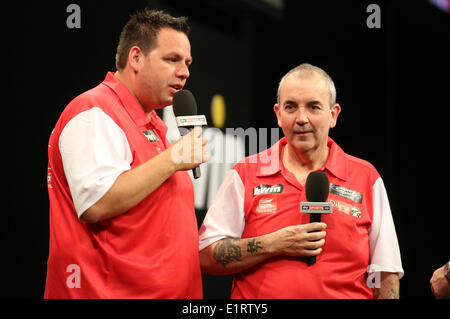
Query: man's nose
point(302, 116)
point(183, 71)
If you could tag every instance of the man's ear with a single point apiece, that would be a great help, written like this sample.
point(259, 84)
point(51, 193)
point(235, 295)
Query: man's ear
point(335, 110)
point(135, 56)
point(276, 109)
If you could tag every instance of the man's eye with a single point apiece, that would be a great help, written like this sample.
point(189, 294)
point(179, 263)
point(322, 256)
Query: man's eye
point(289, 107)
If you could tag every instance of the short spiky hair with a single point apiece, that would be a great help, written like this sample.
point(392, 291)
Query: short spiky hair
point(306, 69)
point(141, 30)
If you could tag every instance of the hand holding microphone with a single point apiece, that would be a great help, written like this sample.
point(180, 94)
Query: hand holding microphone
point(190, 151)
point(298, 240)
point(317, 188)
point(306, 239)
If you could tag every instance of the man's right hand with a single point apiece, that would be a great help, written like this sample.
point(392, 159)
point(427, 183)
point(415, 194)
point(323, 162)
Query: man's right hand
point(132, 186)
point(189, 151)
point(231, 255)
point(298, 240)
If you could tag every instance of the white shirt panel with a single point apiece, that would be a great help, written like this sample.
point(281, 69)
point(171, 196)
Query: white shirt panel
point(173, 134)
point(384, 248)
point(226, 216)
point(94, 151)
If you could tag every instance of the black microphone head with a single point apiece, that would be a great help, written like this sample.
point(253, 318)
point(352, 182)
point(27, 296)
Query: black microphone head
point(184, 103)
point(317, 187)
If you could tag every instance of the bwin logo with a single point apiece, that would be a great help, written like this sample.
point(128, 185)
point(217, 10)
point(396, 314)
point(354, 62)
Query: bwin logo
point(267, 189)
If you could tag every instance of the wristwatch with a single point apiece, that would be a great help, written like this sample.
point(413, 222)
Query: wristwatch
point(446, 271)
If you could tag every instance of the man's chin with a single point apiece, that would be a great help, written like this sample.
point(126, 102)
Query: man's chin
point(303, 146)
point(165, 103)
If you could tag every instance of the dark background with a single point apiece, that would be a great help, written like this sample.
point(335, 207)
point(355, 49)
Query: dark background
point(392, 84)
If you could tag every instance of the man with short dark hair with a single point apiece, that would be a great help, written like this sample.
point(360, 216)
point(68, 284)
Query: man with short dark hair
point(122, 216)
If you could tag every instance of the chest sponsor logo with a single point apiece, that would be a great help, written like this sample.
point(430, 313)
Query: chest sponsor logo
point(346, 208)
point(151, 135)
point(267, 205)
point(356, 212)
point(263, 189)
point(346, 192)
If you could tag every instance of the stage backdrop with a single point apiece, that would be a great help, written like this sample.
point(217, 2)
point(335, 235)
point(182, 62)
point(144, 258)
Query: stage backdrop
point(391, 77)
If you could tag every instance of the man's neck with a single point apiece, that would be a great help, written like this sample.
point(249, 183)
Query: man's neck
point(301, 164)
point(127, 81)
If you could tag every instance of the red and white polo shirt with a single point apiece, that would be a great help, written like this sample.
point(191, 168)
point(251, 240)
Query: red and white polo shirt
point(259, 196)
point(151, 251)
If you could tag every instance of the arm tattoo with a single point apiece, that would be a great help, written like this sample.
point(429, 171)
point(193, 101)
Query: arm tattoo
point(392, 293)
point(253, 247)
point(376, 293)
point(227, 251)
